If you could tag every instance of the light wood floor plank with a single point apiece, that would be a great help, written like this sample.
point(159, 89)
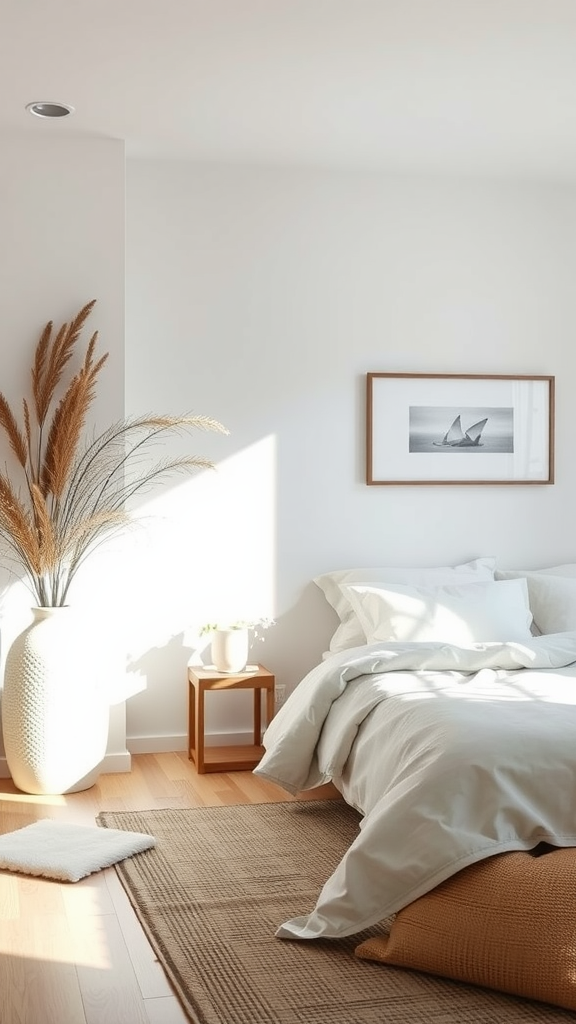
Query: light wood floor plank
point(165, 1011)
point(38, 976)
point(39, 896)
point(89, 897)
point(176, 765)
point(109, 987)
point(9, 899)
point(151, 978)
point(75, 953)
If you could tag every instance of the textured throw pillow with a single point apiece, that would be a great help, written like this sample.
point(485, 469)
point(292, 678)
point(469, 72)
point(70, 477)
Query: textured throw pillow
point(507, 923)
point(66, 851)
point(552, 600)
point(350, 633)
point(471, 613)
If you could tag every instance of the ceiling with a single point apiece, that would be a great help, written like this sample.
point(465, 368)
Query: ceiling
point(471, 86)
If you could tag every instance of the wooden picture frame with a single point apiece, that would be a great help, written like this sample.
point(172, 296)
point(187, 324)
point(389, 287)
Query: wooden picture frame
point(432, 428)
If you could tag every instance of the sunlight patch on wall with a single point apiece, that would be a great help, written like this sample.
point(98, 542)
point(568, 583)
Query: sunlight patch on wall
point(200, 551)
point(204, 550)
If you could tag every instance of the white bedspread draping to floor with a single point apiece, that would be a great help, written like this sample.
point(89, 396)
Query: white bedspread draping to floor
point(451, 754)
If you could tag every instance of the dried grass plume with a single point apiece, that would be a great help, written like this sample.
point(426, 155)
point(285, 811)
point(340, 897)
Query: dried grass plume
point(73, 490)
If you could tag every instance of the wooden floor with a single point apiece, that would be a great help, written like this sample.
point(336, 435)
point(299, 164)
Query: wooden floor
point(75, 953)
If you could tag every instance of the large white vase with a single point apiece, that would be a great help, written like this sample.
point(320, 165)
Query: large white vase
point(229, 649)
point(55, 712)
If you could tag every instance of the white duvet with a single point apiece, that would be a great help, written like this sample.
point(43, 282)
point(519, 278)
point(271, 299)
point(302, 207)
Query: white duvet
point(451, 754)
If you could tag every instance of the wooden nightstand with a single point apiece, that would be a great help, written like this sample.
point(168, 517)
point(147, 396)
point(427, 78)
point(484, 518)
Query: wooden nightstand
point(226, 759)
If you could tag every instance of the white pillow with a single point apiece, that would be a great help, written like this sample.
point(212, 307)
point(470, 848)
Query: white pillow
point(461, 615)
point(350, 633)
point(568, 570)
point(552, 601)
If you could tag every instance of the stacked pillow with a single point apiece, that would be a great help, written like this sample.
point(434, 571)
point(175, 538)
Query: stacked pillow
point(459, 614)
point(461, 604)
point(552, 595)
point(350, 632)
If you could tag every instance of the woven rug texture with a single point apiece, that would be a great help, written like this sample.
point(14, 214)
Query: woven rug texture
point(220, 880)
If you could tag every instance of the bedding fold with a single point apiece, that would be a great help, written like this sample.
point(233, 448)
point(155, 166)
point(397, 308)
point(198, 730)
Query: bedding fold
point(471, 753)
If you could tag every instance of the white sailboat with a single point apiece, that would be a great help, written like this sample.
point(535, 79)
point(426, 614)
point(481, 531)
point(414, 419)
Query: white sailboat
point(455, 437)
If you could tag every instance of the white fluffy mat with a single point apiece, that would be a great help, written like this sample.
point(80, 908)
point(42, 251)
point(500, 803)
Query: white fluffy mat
point(67, 852)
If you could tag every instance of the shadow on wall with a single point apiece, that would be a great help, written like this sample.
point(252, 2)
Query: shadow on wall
point(300, 637)
point(290, 648)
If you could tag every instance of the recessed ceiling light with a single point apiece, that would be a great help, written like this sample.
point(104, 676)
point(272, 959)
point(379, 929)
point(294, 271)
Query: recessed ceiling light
point(47, 108)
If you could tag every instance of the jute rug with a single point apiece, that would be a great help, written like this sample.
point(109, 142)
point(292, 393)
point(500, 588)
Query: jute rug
point(220, 880)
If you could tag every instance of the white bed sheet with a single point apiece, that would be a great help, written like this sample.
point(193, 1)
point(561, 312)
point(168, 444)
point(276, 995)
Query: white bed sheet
point(451, 754)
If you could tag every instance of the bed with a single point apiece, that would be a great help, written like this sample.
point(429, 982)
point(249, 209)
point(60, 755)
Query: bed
point(445, 713)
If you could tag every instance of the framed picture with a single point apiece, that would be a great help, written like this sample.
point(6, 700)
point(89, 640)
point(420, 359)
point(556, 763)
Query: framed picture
point(430, 428)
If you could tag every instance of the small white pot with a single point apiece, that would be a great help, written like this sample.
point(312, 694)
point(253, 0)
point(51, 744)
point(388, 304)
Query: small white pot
point(230, 649)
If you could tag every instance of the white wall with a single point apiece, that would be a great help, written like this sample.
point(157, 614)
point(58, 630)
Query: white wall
point(61, 244)
point(262, 297)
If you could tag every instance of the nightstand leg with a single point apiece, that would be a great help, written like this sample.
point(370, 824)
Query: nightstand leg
point(199, 727)
point(191, 720)
point(270, 708)
point(257, 716)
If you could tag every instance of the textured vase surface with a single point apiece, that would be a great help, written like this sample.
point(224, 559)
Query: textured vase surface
point(55, 716)
point(229, 649)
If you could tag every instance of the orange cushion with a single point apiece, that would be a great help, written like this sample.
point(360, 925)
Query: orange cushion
point(508, 923)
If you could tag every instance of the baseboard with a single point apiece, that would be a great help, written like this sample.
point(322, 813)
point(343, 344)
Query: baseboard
point(166, 744)
point(122, 762)
point(119, 762)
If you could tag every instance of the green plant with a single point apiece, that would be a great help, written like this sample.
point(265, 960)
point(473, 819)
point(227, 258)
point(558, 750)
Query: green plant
point(211, 627)
point(73, 490)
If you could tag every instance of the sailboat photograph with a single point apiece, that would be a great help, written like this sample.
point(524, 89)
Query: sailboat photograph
point(455, 437)
point(470, 429)
point(430, 428)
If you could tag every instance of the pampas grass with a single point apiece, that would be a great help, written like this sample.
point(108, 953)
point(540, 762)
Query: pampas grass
point(73, 490)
